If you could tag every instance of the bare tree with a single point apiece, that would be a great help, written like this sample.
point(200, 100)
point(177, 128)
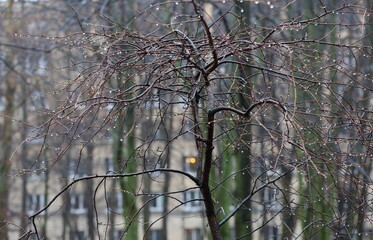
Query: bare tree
point(279, 108)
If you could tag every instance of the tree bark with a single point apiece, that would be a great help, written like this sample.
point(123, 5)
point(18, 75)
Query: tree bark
point(88, 198)
point(10, 81)
point(205, 189)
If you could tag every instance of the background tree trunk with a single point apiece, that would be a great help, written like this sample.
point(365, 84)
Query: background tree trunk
point(7, 136)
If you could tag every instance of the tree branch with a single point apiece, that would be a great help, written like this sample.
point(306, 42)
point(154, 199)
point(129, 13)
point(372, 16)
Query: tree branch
point(253, 192)
point(26, 48)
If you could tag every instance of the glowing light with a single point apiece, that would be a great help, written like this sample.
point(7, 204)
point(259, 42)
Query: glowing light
point(191, 160)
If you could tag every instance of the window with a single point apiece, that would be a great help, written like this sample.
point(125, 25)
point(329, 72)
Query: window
point(109, 166)
point(190, 164)
point(183, 101)
point(156, 205)
point(153, 164)
point(76, 169)
point(156, 234)
point(187, 128)
point(115, 201)
point(77, 235)
point(272, 233)
point(269, 197)
point(2, 102)
point(109, 106)
point(77, 205)
point(34, 202)
point(33, 236)
point(193, 234)
point(37, 100)
point(189, 204)
point(153, 100)
point(33, 135)
point(118, 201)
point(38, 170)
point(118, 234)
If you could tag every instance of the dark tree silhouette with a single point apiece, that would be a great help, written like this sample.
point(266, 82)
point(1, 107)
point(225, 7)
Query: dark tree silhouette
point(278, 107)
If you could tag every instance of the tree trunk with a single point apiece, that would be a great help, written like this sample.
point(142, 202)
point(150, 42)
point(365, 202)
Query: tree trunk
point(129, 185)
point(10, 86)
point(226, 166)
point(243, 181)
point(24, 157)
point(88, 195)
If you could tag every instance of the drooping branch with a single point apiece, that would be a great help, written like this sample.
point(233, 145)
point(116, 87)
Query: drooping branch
point(253, 192)
point(12, 45)
point(104, 176)
point(247, 112)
